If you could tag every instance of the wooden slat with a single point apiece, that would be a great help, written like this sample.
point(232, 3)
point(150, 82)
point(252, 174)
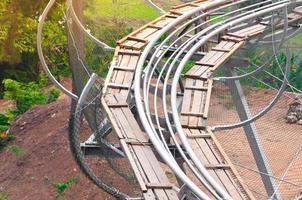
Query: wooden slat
point(129, 52)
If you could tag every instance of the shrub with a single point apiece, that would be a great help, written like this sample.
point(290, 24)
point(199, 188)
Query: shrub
point(5, 138)
point(27, 95)
point(53, 95)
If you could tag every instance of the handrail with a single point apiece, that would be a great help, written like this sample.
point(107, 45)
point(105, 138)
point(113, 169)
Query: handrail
point(160, 10)
point(41, 56)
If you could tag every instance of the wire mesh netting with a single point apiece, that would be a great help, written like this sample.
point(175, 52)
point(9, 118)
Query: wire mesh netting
point(281, 139)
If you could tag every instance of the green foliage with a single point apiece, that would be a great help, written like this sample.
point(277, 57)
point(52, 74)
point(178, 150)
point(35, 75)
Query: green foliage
point(53, 95)
point(27, 95)
point(5, 138)
point(188, 66)
point(18, 27)
point(24, 94)
point(5, 120)
point(61, 187)
point(3, 196)
point(18, 151)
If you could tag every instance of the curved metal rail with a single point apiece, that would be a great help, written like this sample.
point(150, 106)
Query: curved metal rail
point(41, 55)
point(183, 41)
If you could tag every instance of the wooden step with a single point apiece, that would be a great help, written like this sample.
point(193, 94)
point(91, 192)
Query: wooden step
point(126, 69)
point(155, 26)
point(195, 136)
point(118, 86)
point(159, 186)
point(221, 50)
point(196, 88)
point(205, 64)
point(219, 166)
point(130, 53)
point(193, 114)
point(118, 105)
point(135, 142)
point(171, 16)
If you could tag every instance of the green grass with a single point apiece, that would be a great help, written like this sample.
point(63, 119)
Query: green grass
point(131, 9)
point(18, 151)
point(62, 186)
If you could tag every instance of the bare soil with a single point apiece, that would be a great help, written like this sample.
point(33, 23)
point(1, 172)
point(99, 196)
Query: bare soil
point(42, 134)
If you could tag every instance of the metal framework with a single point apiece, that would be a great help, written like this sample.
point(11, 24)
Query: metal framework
point(149, 97)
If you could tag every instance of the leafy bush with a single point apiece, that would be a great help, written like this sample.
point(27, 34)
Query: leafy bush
point(53, 95)
point(4, 124)
point(27, 95)
point(5, 120)
point(5, 138)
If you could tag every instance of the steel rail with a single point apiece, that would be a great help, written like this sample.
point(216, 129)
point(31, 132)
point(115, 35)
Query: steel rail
point(260, 68)
point(196, 46)
point(147, 78)
point(159, 48)
point(41, 55)
point(155, 137)
point(288, 37)
point(158, 146)
point(159, 9)
point(204, 181)
point(145, 85)
point(78, 22)
point(164, 105)
point(285, 83)
point(264, 111)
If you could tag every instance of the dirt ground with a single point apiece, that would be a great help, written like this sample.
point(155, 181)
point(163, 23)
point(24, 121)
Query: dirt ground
point(42, 133)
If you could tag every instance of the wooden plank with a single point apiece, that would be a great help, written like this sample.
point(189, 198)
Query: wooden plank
point(196, 102)
point(186, 102)
point(201, 154)
point(139, 151)
point(194, 136)
point(127, 69)
point(159, 186)
point(194, 114)
point(118, 86)
point(217, 167)
point(212, 160)
point(129, 52)
point(233, 168)
point(160, 176)
point(208, 99)
point(204, 89)
point(134, 166)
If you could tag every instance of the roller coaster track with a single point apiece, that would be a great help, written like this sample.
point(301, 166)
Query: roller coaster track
point(147, 69)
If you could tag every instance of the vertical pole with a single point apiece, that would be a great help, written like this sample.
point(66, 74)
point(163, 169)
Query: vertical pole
point(253, 137)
